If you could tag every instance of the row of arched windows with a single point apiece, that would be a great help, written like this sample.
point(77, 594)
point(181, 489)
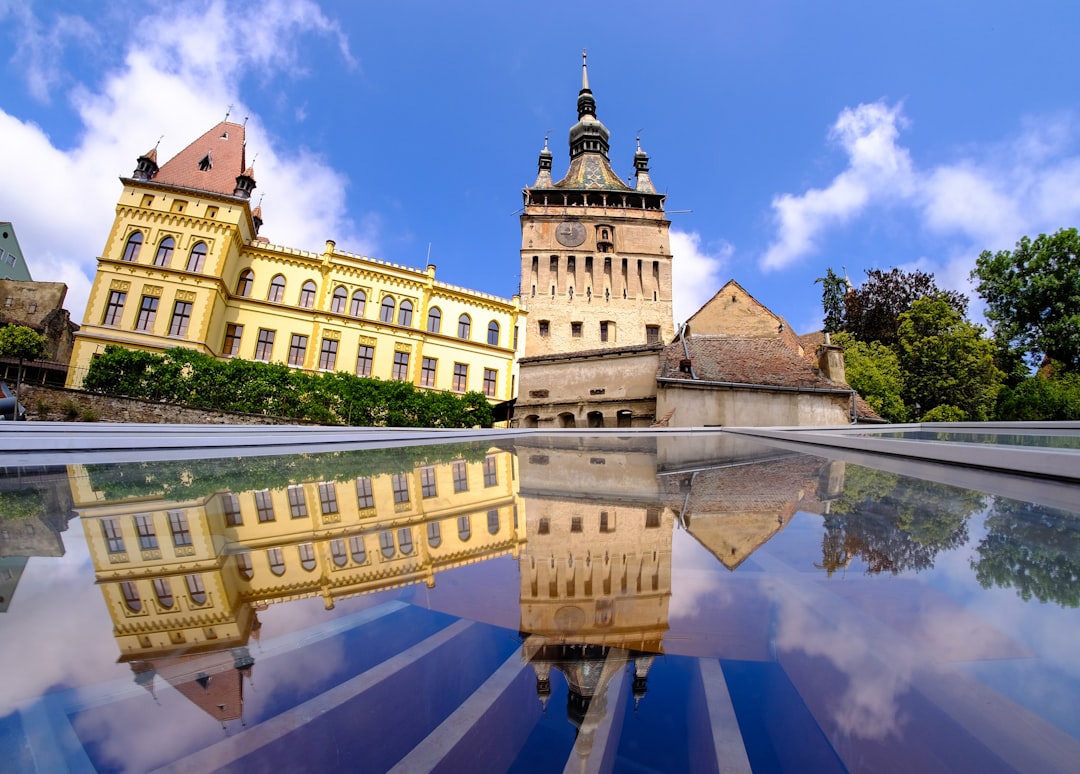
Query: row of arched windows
point(163, 257)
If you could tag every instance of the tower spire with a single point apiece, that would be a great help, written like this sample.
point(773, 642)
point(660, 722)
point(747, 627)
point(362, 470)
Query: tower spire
point(584, 71)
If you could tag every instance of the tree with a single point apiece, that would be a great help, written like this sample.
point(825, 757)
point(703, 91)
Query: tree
point(946, 360)
point(1033, 295)
point(872, 310)
point(833, 289)
point(873, 371)
point(21, 343)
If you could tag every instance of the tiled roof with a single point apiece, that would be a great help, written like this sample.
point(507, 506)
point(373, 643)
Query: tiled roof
point(591, 171)
point(224, 144)
point(743, 360)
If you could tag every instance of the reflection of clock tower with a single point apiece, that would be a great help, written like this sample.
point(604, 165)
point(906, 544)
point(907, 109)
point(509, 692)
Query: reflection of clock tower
point(595, 257)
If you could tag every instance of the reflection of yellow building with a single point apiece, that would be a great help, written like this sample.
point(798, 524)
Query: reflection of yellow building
point(184, 266)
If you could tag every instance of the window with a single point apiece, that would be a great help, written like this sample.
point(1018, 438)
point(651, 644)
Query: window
point(328, 355)
point(652, 334)
point(404, 316)
point(461, 376)
point(427, 482)
point(297, 501)
point(243, 564)
point(233, 332)
point(230, 505)
point(604, 330)
point(114, 541)
point(264, 506)
point(544, 526)
point(134, 244)
point(461, 477)
point(163, 590)
point(607, 524)
point(357, 549)
point(493, 333)
point(386, 543)
point(147, 312)
point(464, 326)
point(434, 320)
point(164, 252)
point(196, 589)
point(338, 553)
point(364, 497)
point(386, 312)
point(328, 497)
point(144, 527)
point(178, 526)
point(575, 524)
point(131, 596)
point(337, 303)
point(427, 372)
point(277, 289)
point(359, 301)
point(115, 307)
point(401, 367)
point(434, 534)
point(307, 556)
point(575, 330)
point(276, 560)
point(652, 517)
point(404, 537)
point(400, 484)
point(243, 285)
point(544, 328)
point(493, 522)
point(307, 295)
point(464, 527)
point(264, 347)
point(181, 316)
point(297, 350)
point(364, 357)
point(197, 257)
point(515, 337)
point(491, 471)
point(490, 378)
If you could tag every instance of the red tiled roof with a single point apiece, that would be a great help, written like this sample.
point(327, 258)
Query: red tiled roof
point(225, 146)
point(743, 360)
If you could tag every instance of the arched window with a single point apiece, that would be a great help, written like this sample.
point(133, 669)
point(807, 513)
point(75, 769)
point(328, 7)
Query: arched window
point(197, 258)
point(404, 536)
point(493, 333)
point(464, 326)
point(493, 522)
point(337, 552)
point(164, 252)
point(163, 591)
point(243, 285)
point(307, 295)
point(434, 534)
point(359, 301)
point(337, 304)
point(464, 527)
point(357, 549)
point(386, 312)
point(277, 289)
point(386, 543)
point(307, 556)
point(277, 561)
point(134, 244)
point(243, 564)
point(434, 320)
point(404, 316)
point(196, 589)
point(131, 596)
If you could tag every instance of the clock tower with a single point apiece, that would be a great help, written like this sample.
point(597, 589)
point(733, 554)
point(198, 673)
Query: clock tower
point(595, 254)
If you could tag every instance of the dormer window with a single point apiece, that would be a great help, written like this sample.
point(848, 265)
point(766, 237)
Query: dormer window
point(206, 163)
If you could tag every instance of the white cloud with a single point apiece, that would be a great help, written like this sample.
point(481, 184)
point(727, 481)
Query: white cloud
point(695, 272)
point(179, 83)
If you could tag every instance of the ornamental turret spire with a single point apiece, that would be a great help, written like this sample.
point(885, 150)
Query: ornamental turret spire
point(588, 135)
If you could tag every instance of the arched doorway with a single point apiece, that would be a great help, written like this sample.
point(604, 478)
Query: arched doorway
point(623, 417)
point(567, 420)
point(595, 419)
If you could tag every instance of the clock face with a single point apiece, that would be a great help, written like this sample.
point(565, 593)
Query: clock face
point(570, 233)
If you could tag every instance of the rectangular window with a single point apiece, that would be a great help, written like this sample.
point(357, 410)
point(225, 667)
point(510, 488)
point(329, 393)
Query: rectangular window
point(545, 328)
point(401, 367)
point(144, 526)
point(328, 355)
point(264, 347)
point(515, 336)
point(364, 358)
point(490, 381)
point(178, 525)
point(575, 524)
point(231, 348)
point(297, 350)
point(364, 497)
point(461, 377)
point(114, 541)
point(264, 505)
point(115, 308)
point(147, 313)
point(575, 330)
point(604, 331)
point(230, 505)
point(652, 516)
point(181, 316)
point(427, 482)
point(297, 502)
point(491, 471)
point(461, 477)
point(427, 372)
point(400, 484)
point(652, 334)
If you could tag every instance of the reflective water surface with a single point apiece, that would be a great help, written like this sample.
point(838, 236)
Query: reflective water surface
point(639, 603)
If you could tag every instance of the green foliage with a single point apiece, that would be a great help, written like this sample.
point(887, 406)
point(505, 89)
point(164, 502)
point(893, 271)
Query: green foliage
point(1041, 398)
point(946, 360)
point(833, 289)
point(944, 413)
point(872, 311)
point(21, 343)
point(1033, 296)
point(191, 378)
point(874, 372)
point(20, 505)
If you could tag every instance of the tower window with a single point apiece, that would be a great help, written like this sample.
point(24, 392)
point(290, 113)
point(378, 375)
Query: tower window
point(652, 334)
point(575, 330)
point(544, 328)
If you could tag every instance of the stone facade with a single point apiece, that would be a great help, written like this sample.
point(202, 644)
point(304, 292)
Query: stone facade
point(39, 305)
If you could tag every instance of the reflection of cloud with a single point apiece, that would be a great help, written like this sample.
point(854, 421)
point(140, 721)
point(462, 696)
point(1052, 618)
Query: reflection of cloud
point(696, 575)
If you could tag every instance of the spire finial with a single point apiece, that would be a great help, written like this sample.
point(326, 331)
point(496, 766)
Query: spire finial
point(245, 121)
point(159, 139)
point(584, 71)
point(228, 112)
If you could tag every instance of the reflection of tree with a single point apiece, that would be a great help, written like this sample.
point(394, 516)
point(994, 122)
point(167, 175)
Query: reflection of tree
point(894, 524)
point(1032, 548)
point(22, 504)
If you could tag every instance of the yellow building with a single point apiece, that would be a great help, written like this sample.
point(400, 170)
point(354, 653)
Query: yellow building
point(184, 265)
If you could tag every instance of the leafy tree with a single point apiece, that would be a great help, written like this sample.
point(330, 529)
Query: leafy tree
point(873, 371)
point(21, 343)
point(872, 310)
point(946, 360)
point(1040, 398)
point(833, 289)
point(1033, 295)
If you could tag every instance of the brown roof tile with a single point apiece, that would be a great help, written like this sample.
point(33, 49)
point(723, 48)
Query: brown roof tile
point(225, 146)
point(743, 360)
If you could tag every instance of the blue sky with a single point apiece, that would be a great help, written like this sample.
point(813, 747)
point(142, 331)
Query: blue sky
point(797, 135)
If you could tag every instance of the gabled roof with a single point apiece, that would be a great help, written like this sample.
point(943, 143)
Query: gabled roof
point(211, 163)
point(743, 360)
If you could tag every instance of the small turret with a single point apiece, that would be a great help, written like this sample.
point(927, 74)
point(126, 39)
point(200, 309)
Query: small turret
point(543, 174)
point(643, 182)
point(146, 167)
point(245, 183)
